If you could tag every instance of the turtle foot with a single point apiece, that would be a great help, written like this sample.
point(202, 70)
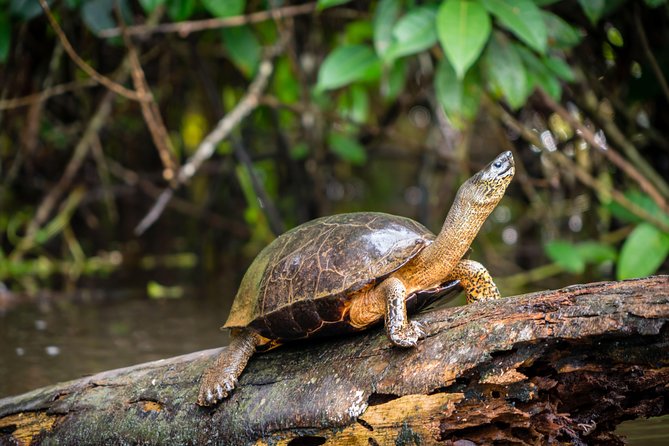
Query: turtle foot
point(215, 387)
point(408, 335)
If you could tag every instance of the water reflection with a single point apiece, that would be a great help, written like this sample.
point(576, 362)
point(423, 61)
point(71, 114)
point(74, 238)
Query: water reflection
point(45, 344)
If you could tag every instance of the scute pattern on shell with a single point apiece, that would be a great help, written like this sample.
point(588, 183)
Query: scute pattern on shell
point(324, 258)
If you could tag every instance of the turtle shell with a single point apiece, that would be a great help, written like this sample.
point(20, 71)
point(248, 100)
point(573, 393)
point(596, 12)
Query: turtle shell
point(301, 283)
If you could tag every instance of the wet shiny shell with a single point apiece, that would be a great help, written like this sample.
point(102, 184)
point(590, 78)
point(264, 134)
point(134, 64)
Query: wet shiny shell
point(300, 284)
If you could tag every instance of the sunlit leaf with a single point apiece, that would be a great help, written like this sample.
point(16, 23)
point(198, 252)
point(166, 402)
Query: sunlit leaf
point(286, 87)
point(5, 36)
point(505, 71)
point(347, 64)
point(643, 201)
point(359, 31)
point(322, 4)
point(464, 28)
point(595, 252)
point(354, 104)
point(347, 148)
point(564, 254)
point(243, 48)
point(643, 252)
point(521, 17)
point(593, 9)
point(561, 35)
point(385, 16)
point(413, 33)
point(226, 8)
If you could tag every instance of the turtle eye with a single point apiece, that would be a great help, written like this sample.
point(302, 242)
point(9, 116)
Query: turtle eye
point(497, 164)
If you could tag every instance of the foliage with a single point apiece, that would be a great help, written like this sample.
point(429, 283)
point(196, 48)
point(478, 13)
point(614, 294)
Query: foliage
point(356, 85)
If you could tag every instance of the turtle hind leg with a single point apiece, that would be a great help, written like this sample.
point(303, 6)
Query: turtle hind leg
point(221, 377)
point(476, 281)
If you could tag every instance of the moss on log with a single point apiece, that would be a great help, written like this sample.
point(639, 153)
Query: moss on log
point(562, 366)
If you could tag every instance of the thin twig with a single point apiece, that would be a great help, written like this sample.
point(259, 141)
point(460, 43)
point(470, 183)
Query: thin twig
point(110, 84)
point(206, 148)
point(649, 53)
point(45, 94)
point(187, 27)
point(52, 198)
point(613, 156)
point(150, 110)
point(584, 177)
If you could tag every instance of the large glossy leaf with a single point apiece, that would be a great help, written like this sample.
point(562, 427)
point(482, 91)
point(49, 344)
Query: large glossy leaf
point(459, 97)
point(347, 148)
point(243, 48)
point(643, 252)
point(26, 9)
point(521, 17)
point(179, 10)
point(505, 72)
point(464, 28)
point(385, 16)
point(5, 36)
point(347, 64)
point(226, 8)
point(643, 201)
point(413, 33)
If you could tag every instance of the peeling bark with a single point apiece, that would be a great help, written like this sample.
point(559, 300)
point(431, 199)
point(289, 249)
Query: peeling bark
point(554, 367)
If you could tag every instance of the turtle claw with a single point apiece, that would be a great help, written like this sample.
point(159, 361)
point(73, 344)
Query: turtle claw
point(409, 335)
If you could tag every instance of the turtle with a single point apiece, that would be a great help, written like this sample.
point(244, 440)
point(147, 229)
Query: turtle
point(347, 272)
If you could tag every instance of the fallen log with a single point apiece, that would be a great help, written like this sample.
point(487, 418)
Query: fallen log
point(562, 367)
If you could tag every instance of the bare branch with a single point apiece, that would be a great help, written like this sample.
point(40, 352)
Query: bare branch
point(187, 27)
point(206, 148)
point(110, 84)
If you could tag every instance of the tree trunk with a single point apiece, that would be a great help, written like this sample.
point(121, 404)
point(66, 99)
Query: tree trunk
point(561, 367)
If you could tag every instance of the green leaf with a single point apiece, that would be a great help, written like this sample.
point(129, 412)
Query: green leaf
point(459, 97)
point(505, 71)
point(523, 18)
point(359, 31)
point(97, 15)
point(347, 148)
point(243, 48)
point(394, 80)
point(179, 10)
point(564, 254)
point(322, 4)
point(593, 9)
point(561, 35)
point(5, 36)
point(560, 68)
point(413, 33)
point(347, 64)
point(150, 5)
point(354, 104)
point(595, 252)
point(26, 9)
point(385, 16)
point(286, 87)
point(464, 28)
point(655, 3)
point(643, 252)
point(643, 201)
point(538, 74)
point(226, 8)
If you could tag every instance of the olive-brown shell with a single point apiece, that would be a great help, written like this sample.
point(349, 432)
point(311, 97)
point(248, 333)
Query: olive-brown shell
point(305, 276)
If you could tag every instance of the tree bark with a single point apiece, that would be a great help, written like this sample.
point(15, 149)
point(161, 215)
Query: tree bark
point(561, 367)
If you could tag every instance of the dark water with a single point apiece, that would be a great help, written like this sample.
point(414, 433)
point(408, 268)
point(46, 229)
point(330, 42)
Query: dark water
point(60, 339)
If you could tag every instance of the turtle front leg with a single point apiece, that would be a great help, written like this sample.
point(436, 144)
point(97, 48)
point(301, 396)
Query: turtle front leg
point(221, 377)
point(401, 331)
point(476, 281)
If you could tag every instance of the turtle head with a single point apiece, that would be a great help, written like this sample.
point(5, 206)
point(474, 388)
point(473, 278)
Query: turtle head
point(487, 187)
